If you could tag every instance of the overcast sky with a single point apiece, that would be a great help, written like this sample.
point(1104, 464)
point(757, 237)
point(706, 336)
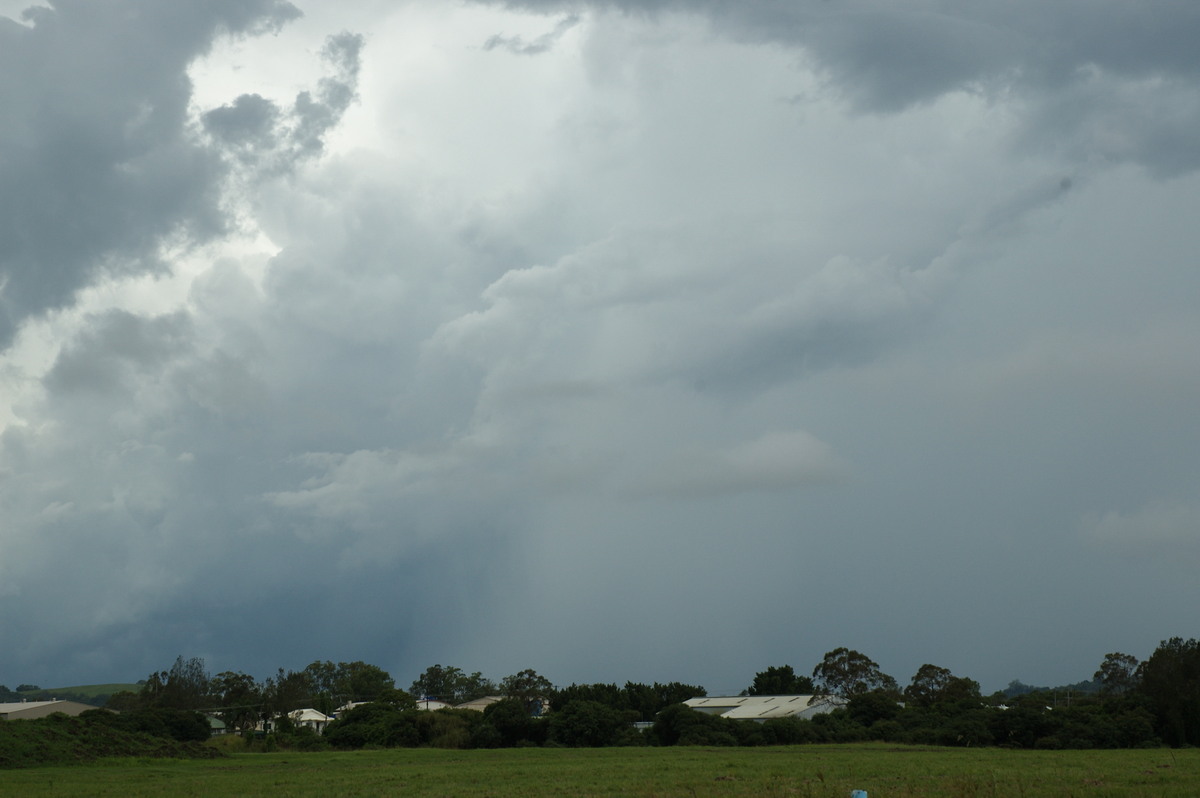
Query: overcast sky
point(631, 340)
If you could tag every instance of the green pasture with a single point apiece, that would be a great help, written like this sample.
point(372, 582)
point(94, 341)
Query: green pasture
point(89, 690)
point(884, 771)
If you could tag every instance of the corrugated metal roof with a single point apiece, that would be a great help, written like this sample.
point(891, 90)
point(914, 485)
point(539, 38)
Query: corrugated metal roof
point(432, 704)
point(763, 707)
point(12, 706)
point(480, 704)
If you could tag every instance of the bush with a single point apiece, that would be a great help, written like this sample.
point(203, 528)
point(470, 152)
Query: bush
point(587, 724)
point(514, 725)
point(679, 724)
point(59, 739)
point(789, 731)
point(177, 724)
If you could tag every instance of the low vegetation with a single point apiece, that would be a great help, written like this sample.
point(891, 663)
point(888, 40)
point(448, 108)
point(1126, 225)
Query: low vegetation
point(94, 735)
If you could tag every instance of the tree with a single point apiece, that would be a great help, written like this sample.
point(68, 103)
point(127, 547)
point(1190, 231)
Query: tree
point(530, 688)
point(184, 686)
point(1170, 683)
point(1117, 673)
point(451, 684)
point(513, 724)
point(240, 698)
point(358, 681)
point(437, 681)
point(927, 685)
point(322, 677)
point(679, 724)
point(380, 723)
point(587, 724)
point(932, 685)
point(607, 694)
point(286, 691)
point(780, 680)
point(474, 686)
point(124, 701)
point(676, 693)
point(845, 673)
point(648, 700)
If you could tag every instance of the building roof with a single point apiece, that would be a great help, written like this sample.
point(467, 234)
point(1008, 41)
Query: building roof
point(28, 710)
point(480, 704)
point(764, 707)
point(308, 716)
point(432, 704)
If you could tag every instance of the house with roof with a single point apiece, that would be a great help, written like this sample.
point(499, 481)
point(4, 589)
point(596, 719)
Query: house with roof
point(310, 718)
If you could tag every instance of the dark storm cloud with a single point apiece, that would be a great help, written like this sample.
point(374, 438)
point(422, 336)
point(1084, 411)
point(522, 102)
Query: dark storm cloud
point(1102, 79)
point(98, 164)
point(559, 343)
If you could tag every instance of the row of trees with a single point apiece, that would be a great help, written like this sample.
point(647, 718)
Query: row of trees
point(1135, 703)
point(241, 701)
point(505, 723)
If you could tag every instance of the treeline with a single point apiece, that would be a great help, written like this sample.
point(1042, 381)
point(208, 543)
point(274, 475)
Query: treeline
point(1128, 704)
point(243, 703)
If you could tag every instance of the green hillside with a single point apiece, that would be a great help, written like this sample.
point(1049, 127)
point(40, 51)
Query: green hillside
point(95, 694)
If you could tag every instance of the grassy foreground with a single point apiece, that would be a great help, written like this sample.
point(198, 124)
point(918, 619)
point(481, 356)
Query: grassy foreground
point(884, 771)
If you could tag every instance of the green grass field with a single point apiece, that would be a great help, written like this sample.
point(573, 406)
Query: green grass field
point(89, 690)
point(884, 771)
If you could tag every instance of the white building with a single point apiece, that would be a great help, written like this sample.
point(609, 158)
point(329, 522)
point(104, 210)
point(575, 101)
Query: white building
point(313, 719)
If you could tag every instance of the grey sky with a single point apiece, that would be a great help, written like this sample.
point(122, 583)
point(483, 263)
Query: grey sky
point(619, 340)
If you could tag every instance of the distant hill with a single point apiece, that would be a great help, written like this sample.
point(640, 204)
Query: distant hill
point(1017, 688)
point(94, 694)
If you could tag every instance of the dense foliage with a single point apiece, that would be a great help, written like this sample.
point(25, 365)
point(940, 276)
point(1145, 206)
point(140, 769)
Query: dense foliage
point(936, 708)
point(59, 739)
point(1126, 704)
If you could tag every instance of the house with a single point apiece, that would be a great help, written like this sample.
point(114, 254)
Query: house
point(765, 707)
point(311, 718)
point(29, 710)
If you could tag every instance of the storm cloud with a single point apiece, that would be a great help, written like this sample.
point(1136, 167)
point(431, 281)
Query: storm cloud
point(712, 336)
